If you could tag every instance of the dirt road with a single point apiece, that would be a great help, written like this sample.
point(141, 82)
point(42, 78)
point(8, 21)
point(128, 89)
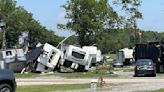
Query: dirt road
point(39, 81)
point(117, 85)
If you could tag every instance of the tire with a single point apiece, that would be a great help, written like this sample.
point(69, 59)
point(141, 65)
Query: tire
point(154, 75)
point(5, 88)
point(134, 75)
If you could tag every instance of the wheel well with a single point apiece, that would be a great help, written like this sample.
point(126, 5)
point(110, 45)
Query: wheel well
point(8, 82)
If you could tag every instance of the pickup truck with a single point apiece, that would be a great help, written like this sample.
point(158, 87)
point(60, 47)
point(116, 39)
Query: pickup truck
point(7, 81)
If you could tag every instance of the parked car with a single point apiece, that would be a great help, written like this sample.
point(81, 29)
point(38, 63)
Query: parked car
point(145, 67)
point(7, 81)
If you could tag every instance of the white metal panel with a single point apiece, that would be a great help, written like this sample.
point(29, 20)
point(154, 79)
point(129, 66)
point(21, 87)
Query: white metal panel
point(41, 68)
point(128, 53)
point(48, 58)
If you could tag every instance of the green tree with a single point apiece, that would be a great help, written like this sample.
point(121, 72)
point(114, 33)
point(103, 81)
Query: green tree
point(89, 18)
point(18, 21)
point(132, 14)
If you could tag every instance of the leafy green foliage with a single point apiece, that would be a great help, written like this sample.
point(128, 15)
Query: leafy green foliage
point(18, 21)
point(88, 18)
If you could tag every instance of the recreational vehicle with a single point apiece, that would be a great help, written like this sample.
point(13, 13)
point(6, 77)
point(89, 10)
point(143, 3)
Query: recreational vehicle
point(77, 58)
point(50, 56)
point(128, 55)
point(95, 53)
point(43, 58)
point(12, 58)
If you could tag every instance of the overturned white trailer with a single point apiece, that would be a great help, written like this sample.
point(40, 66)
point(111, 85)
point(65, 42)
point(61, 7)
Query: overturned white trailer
point(13, 59)
point(76, 58)
point(44, 58)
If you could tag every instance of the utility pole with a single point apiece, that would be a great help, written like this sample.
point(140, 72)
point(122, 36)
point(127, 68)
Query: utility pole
point(2, 27)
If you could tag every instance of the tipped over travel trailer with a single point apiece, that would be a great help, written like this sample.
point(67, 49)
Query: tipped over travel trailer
point(13, 59)
point(76, 58)
point(46, 58)
point(95, 53)
point(43, 58)
point(50, 56)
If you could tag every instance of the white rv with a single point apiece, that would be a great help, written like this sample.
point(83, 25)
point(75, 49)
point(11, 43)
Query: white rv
point(43, 58)
point(13, 59)
point(76, 58)
point(128, 55)
point(95, 53)
point(50, 56)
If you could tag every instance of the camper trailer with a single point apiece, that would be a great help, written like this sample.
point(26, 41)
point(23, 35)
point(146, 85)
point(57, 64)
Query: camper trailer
point(128, 55)
point(76, 58)
point(43, 58)
point(95, 53)
point(12, 58)
point(50, 56)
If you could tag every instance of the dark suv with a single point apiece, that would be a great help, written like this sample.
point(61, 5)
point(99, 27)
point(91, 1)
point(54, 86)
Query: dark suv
point(7, 81)
point(145, 67)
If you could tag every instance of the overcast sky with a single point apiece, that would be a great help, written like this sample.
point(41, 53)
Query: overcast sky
point(50, 13)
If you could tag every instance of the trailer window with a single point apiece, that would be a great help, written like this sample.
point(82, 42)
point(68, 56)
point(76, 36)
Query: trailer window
point(51, 56)
point(144, 62)
point(8, 53)
point(78, 55)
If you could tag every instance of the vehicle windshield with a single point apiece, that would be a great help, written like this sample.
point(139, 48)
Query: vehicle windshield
point(144, 62)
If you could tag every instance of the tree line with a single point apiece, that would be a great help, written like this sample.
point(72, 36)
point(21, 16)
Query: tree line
point(19, 21)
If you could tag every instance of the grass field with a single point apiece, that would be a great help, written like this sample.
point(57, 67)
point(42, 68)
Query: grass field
point(51, 88)
point(29, 75)
point(90, 74)
point(160, 90)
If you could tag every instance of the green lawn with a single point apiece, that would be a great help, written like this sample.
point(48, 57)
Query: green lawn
point(29, 75)
point(103, 71)
point(50, 88)
point(160, 90)
point(86, 75)
point(113, 56)
point(90, 74)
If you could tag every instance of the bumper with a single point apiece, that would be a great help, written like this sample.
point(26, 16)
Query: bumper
point(145, 72)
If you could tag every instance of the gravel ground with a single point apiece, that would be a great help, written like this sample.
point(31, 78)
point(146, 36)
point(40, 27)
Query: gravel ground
point(128, 87)
point(124, 83)
point(114, 85)
point(135, 87)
